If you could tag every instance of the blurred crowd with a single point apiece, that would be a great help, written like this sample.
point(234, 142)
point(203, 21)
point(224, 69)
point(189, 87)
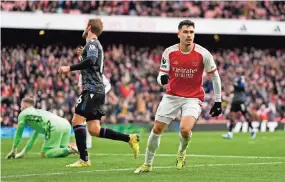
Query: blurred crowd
point(269, 10)
point(132, 71)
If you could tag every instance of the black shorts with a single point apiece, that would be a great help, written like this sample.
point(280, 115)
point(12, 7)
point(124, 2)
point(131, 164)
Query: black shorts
point(238, 107)
point(90, 105)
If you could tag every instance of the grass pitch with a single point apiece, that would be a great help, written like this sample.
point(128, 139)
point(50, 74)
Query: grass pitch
point(210, 158)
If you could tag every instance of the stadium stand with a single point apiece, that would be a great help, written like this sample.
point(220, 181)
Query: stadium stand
point(132, 72)
point(267, 10)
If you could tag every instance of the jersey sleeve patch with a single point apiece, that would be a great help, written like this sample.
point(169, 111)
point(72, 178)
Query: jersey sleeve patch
point(92, 51)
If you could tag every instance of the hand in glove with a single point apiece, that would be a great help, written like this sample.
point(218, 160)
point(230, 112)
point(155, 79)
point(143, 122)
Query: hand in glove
point(216, 109)
point(11, 155)
point(164, 79)
point(21, 154)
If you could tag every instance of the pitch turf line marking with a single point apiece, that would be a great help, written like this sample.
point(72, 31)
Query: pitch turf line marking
point(196, 155)
point(130, 169)
point(189, 155)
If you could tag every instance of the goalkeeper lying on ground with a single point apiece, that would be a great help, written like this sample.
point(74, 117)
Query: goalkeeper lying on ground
point(56, 132)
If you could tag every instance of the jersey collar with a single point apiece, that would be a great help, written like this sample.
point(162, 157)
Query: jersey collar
point(186, 52)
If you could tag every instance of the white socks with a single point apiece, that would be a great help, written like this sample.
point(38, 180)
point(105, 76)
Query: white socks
point(154, 141)
point(184, 142)
point(152, 144)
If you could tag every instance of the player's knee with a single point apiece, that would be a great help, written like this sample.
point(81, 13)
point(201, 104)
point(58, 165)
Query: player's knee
point(185, 131)
point(94, 130)
point(232, 119)
point(157, 130)
point(233, 115)
point(75, 122)
point(159, 127)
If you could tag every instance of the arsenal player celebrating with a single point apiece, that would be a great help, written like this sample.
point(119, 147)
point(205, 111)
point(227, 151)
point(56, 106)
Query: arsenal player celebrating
point(181, 70)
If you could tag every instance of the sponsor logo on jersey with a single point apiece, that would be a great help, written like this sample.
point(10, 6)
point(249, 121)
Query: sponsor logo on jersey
point(184, 73)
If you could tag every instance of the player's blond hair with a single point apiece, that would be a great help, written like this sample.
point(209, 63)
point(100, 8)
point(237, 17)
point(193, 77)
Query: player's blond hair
point(29, 100)
point(96, 25)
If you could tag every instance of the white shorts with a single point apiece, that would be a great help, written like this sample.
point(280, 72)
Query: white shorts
point(170, 106)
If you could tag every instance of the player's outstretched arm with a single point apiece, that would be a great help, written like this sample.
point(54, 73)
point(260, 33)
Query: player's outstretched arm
point(17, 138)
point(80, 66)
point(83, 64)
point(90, 60)
point(28, 146)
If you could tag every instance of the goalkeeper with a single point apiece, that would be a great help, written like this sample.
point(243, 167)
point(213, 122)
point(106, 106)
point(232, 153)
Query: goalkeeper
point(56, 132)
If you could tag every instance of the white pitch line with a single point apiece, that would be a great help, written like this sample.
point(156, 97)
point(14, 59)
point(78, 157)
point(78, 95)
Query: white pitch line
point(189, 155)
point(130, 169)
point(197, 155)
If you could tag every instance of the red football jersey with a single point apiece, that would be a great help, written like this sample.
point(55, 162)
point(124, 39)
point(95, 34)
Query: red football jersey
point(186, 70)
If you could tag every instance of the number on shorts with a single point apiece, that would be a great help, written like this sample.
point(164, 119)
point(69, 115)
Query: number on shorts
point(79, 100)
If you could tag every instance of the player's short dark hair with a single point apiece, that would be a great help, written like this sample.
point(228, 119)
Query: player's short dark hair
point(96, 25)
point(187, 23)
point(29, 100)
